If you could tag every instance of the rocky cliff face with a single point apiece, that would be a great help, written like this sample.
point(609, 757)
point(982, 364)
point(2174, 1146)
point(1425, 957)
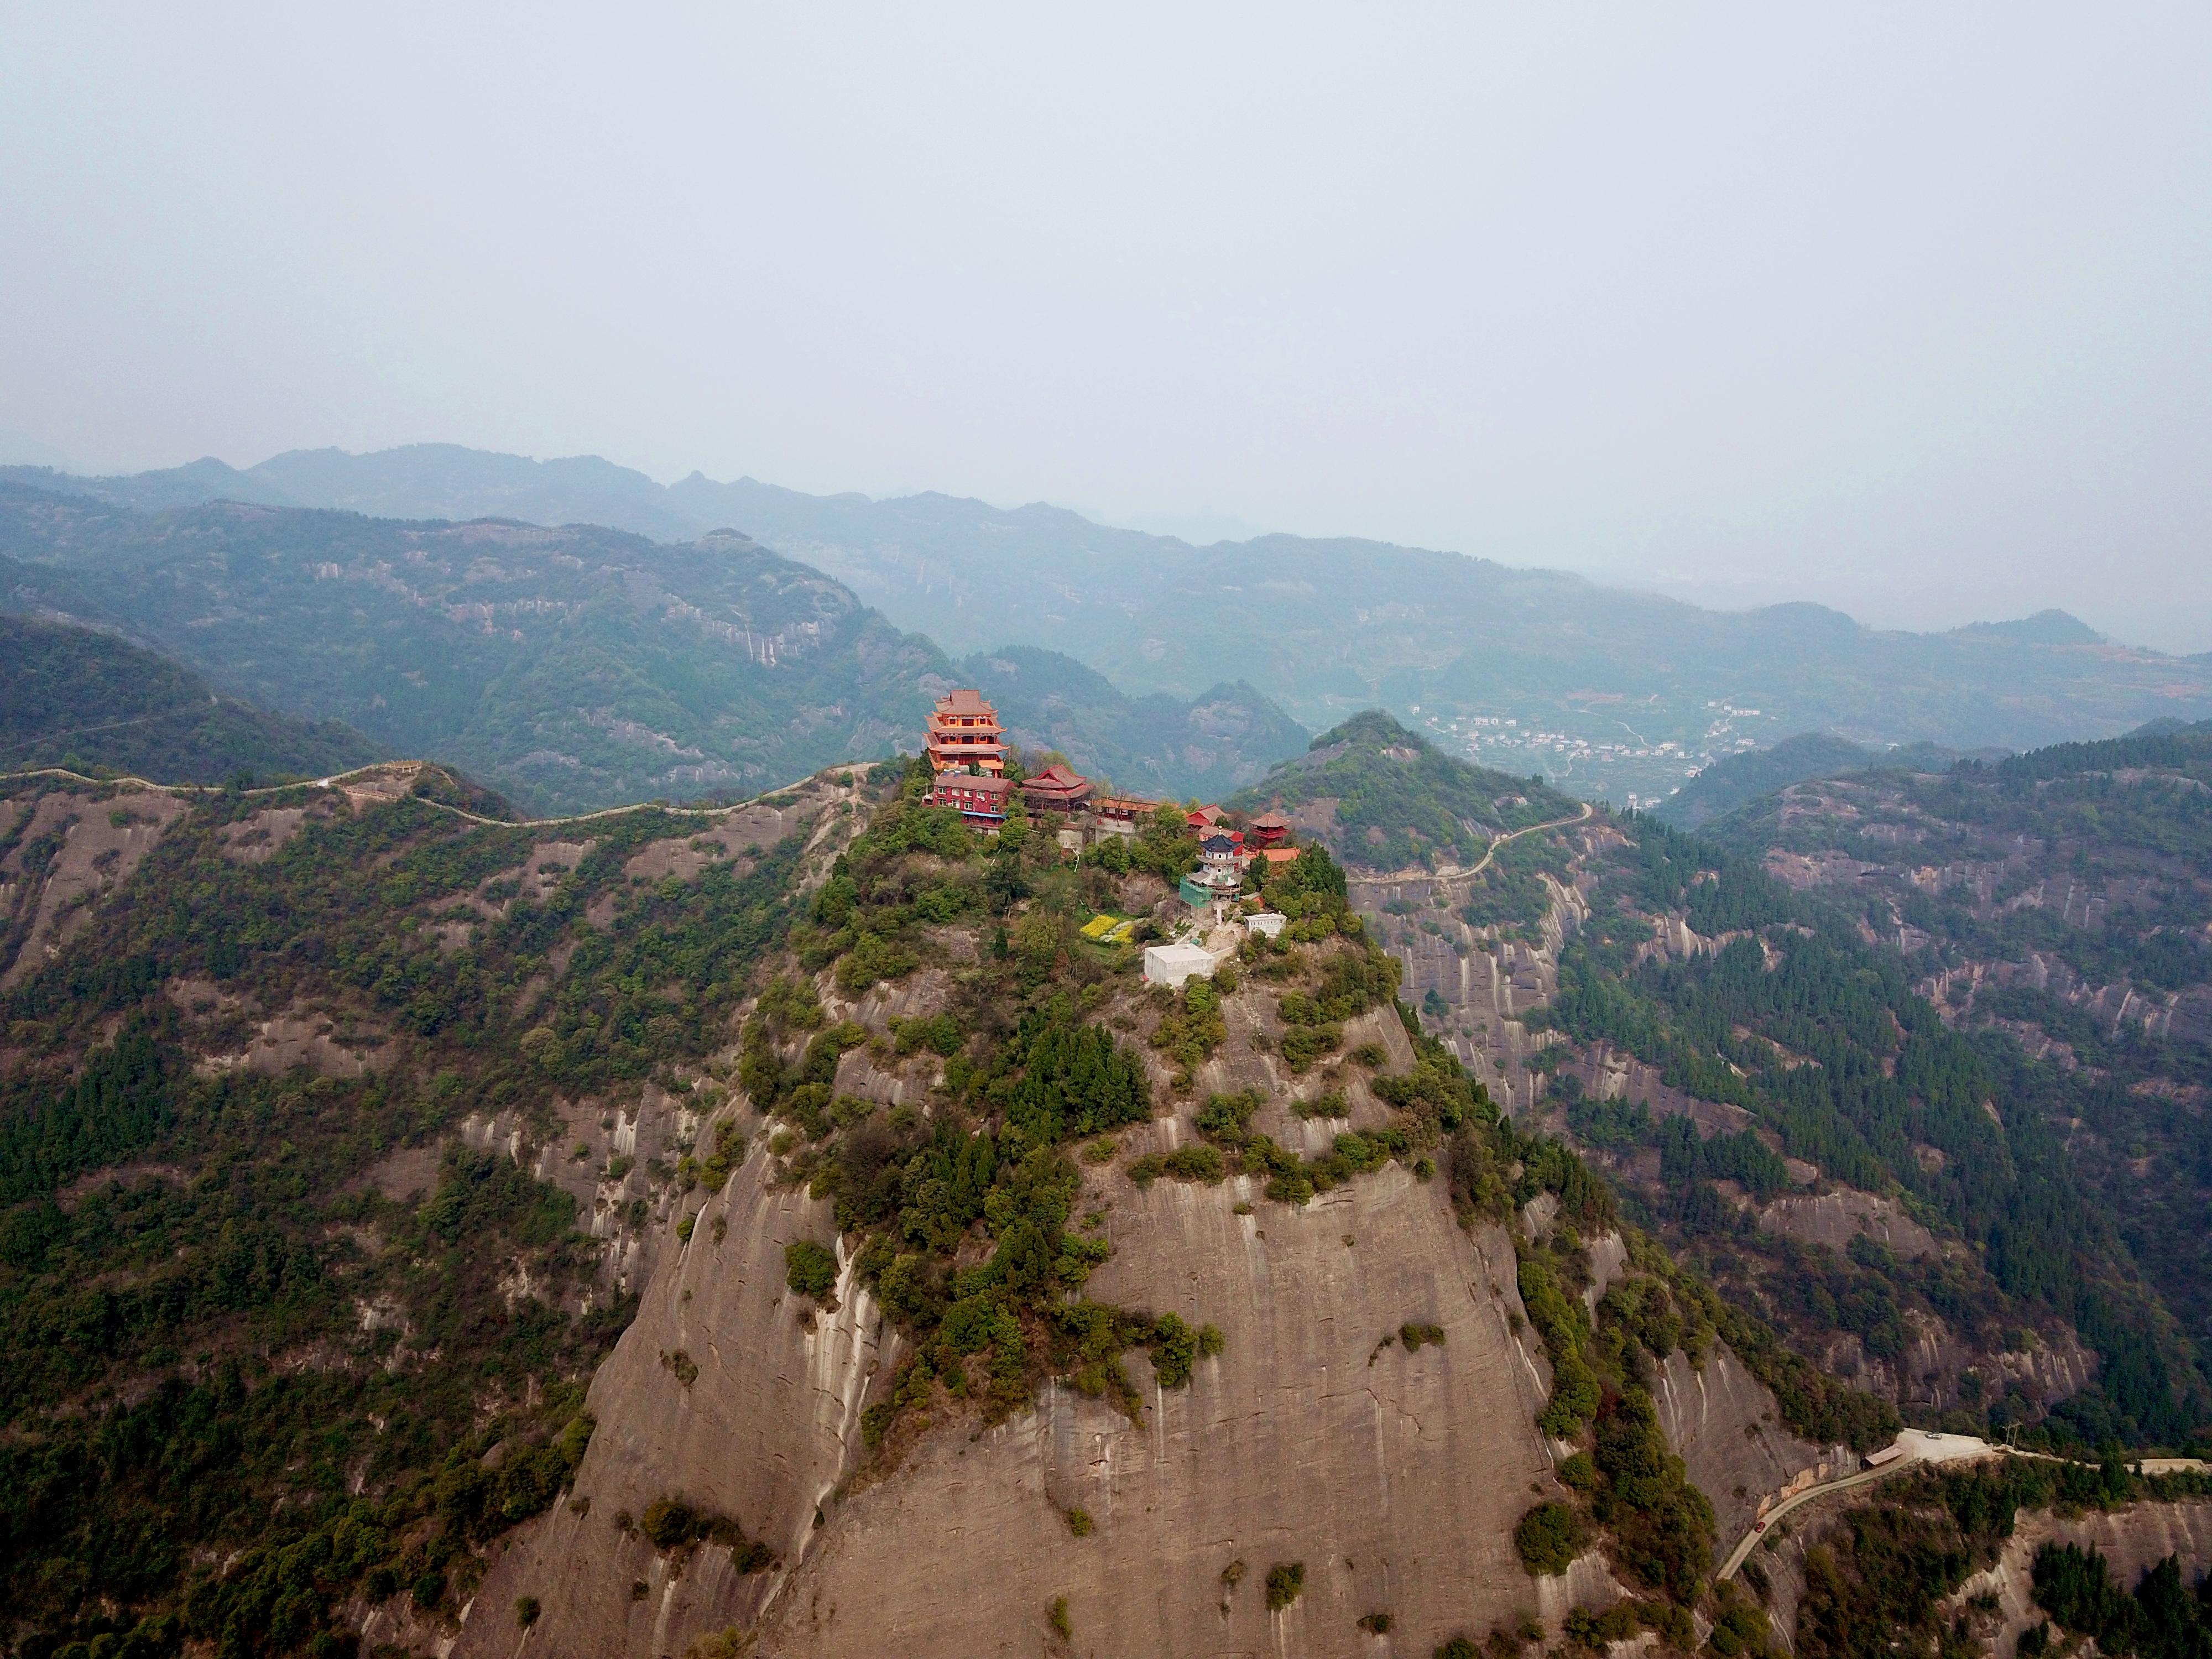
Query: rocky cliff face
point(1725, 1427)
point(1395, 1479)
point(725, 1394)
point(2132, 1541)
point(1392, 1477)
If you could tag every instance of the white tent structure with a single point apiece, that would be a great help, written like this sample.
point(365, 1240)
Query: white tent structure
point(1171, 965)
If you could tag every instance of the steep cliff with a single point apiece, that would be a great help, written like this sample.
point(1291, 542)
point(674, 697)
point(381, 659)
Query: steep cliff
point(1395, 1477)
point(2132, 1541)
point(1365, 1411)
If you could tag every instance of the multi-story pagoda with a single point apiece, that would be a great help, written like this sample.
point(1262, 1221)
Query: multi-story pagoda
point(964, 732)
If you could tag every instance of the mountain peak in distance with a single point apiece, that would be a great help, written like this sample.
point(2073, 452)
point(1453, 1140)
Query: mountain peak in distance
point(2053, 626)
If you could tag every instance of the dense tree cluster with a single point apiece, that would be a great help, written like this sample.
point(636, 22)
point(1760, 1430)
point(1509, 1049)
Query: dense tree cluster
point(1823, 1040)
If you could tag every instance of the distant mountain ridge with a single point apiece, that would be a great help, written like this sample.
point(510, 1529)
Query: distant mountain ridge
point(1728, 784)
point(575, 668)
point(76, 697)
point(1609, 692)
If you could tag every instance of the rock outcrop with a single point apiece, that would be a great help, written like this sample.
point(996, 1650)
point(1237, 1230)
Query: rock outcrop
point(726, 1394)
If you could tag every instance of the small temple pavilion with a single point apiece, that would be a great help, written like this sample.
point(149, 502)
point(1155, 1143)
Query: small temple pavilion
point(1220, 870)
point(964, 732)
point(1270, 828)
point(1055, 789)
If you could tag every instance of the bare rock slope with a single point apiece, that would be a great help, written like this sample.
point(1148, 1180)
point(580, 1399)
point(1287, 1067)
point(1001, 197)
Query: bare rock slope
point(1392, 1477)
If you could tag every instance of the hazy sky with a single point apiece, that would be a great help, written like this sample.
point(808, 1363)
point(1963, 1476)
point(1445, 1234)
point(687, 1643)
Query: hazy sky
point(1908, 308)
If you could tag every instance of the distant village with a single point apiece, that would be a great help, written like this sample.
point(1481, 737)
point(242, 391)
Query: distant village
point(968, 752)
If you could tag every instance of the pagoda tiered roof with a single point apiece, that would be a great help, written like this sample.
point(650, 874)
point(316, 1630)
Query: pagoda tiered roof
point(965, 731)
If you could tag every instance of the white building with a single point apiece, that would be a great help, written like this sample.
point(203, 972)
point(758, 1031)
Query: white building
point(1171, 965)
point(1269, 922)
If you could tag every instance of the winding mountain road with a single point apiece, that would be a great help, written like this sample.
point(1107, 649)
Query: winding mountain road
point(1918, 1446)
point(1582, 816)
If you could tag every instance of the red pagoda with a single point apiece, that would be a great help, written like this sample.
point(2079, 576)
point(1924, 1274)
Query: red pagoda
point(964, 732)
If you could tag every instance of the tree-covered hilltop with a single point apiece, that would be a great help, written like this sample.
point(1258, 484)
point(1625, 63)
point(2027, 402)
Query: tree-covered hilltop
point(87, 701)
point(1728, 784)
point(314, 1186)
point(2055, 907)
point(1384, 798)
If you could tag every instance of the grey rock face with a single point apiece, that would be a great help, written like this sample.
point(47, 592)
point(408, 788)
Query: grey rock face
point(1395, 1478)
point(761, 1433)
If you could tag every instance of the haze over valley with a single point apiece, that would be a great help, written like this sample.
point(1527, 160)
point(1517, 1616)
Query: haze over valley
point(1609, 693)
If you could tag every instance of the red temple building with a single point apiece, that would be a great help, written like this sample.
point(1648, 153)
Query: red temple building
point(1055, 789)
point(965, 731)
point(1271, 830)
point(978, 798)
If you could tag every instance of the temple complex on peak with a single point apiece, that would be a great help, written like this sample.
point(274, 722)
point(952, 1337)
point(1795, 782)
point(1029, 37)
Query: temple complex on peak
point(968, 754)
point(964, 732)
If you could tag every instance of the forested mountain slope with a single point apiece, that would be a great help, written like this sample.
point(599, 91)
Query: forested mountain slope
point(1767, 1081)
point(1383, 797)
point(2057, 907)
point(1739, 780)
point(1728, 784)
point(1607, 690)
point(338, 1135)
point(572, 669)
point(74, 697)
point(419, 1231)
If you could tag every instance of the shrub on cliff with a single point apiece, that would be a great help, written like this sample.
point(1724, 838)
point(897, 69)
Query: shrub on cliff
point(1548, 1538)
point(809, 1269)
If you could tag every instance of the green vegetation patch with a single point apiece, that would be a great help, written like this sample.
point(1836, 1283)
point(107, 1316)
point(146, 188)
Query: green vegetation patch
point(1400, 802)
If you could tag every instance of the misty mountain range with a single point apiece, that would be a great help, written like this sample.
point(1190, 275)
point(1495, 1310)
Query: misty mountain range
point(1605, 691)
point(573, 668)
